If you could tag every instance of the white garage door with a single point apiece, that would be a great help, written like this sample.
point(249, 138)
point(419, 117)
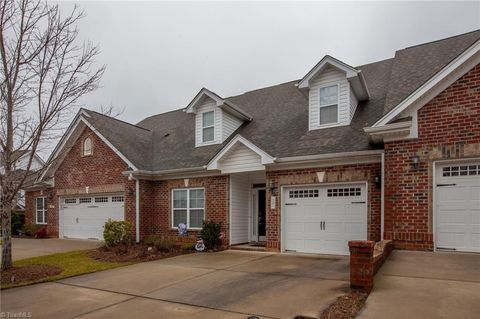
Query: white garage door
point(84, 217)
point(323, 219)
point(457, 212)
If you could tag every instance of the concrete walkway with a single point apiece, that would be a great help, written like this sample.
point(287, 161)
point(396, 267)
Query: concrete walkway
point(426, 285)
point(230, 284)
point(26, 247)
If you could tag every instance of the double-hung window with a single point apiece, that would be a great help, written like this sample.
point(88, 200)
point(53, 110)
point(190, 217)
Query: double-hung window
point(41, 210)
point(328, 112)
point(188, 207)
point(208, 126)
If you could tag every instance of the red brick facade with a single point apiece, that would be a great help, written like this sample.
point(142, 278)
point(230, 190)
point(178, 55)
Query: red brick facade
point(448, 128)
point(345, 173)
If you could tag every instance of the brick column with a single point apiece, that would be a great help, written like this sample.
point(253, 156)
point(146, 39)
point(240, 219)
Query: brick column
point(361, 264)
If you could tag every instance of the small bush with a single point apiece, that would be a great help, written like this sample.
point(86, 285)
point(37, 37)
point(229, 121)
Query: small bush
point(210, 234)
point(151, 240)
point(117, 233)
point(30, 229)
point(188, 247)
point(159, 243)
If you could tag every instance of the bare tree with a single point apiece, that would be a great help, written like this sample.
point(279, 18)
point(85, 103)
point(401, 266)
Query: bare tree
point(44, 71)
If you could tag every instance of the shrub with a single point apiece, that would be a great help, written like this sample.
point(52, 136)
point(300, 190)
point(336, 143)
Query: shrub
point(117, 233)
point(30, 229)
point(210, 234)
point(188, 247)
point(159, 243)
point(17, 223)
point(151, 240)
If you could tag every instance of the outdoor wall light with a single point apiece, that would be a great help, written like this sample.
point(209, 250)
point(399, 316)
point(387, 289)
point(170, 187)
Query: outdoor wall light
point(271, 186)
point(378, 181)
point(415, 161)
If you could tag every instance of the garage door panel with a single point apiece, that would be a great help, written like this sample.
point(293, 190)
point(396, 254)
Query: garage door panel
point(326, 223)
point(457, 207)
point(85, 217)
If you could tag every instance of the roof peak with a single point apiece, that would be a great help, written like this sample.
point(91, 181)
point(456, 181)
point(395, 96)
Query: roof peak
point(440, 40)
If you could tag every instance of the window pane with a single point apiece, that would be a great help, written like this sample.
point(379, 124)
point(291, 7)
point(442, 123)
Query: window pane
point(328, 95)
point(208, 119)
point(196, 218)
point(179, 216)
point(180, 198)
point(39, 216)
point(45, 215)
point(196, 198)
point(40, 203)
point(328, 114)
point(207, 134)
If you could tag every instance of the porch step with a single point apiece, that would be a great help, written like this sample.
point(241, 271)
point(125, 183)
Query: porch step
point(250, 247)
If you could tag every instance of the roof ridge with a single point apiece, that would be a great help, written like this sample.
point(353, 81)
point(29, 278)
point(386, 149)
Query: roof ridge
point(113, 118)
point(439, 40)
point(163, 113)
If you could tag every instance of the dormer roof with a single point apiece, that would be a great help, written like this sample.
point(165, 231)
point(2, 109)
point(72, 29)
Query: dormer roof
point(353, 75)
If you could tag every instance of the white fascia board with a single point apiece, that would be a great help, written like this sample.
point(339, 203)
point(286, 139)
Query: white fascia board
point(471, 53)
point(203, 92)
point(237, 112)
point(264, 156)
point(392, 132)
point(309, 158)
point(350, 71)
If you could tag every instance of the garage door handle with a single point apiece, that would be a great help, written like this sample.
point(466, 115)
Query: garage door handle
point(358, 202)
point(440, 185)
point(290, 204)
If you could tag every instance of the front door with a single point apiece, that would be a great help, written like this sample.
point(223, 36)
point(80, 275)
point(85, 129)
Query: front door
point(259, 219)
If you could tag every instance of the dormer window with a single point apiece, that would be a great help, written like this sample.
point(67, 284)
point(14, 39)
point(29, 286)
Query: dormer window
point(87, 147)
point(208, 126)
point(328, 105)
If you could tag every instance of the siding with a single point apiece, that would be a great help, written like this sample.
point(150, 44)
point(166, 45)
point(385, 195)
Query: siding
point(241, 159)
point(229, 125)
point(239, 209)
point(329, 76)
point(208, 105)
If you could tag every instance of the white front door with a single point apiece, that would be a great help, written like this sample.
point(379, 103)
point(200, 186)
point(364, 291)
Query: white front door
point(323, 219)
point(84, 217)
point(457, 210)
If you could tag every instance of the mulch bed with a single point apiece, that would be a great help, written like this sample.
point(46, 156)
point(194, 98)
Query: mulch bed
point(133, 253)
point(17, 275)
point(345, 307)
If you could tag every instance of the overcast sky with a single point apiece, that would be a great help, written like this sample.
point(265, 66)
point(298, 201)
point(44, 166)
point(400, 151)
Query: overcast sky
point(160, 54)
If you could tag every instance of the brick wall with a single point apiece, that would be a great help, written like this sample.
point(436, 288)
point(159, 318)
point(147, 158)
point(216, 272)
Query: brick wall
point(156, 200)
point(345, 173)
point(101, 173)
point(448, 128)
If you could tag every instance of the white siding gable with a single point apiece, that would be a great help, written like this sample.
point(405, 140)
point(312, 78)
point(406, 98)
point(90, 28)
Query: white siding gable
point(225, 124)
point(240, 159)
point(347, 101)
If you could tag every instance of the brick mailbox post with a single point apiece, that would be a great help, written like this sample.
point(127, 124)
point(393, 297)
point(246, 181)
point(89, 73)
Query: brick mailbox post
point(361, 264)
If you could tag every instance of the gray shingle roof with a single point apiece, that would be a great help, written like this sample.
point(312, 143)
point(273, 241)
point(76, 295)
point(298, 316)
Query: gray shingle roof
point(280, 114)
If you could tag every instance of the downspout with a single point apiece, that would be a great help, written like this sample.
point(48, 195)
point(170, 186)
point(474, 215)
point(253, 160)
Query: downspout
point(382, 198)
point(137, 210)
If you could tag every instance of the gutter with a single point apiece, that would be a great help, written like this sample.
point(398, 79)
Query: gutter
point(326, 156)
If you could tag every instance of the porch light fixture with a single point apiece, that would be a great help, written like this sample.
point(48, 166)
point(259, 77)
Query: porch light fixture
point(415, 161)
point(271, 186)
point(378, 181)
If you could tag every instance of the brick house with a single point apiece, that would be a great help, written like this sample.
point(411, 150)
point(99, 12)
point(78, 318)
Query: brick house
point(389, 150)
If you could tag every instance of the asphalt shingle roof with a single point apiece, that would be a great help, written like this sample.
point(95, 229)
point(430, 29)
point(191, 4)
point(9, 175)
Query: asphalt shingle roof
point(280, 114)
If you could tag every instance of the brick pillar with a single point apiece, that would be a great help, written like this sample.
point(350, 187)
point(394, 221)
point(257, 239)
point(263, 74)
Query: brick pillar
point(361, 264)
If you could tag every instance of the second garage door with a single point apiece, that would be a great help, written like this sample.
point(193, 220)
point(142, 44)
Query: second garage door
point(323, 219)
point(84, 217)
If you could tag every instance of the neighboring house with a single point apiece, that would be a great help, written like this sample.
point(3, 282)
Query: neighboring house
point(21, 159)
point(389, 150)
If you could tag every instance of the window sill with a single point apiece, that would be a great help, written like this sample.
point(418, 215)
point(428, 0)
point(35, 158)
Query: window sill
point(41, 223)
point(192, 229)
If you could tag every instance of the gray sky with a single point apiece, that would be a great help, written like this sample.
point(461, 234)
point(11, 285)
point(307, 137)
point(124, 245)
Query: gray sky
point(160, 54)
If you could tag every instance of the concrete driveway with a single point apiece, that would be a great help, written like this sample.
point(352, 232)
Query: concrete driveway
point(426, 285)
point(26, 247)
point(230, 284)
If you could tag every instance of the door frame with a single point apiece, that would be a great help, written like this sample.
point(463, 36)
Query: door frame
point(434, 195)
point(282, 204)
point(254, 215)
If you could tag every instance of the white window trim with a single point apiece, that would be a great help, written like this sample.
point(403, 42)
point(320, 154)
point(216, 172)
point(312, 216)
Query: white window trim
point(44, 210)
point(202, 142)
point(337, 104)
point(188, 189)
point(84, 150)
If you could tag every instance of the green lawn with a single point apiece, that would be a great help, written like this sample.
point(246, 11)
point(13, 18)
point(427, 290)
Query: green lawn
point(73, 263)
